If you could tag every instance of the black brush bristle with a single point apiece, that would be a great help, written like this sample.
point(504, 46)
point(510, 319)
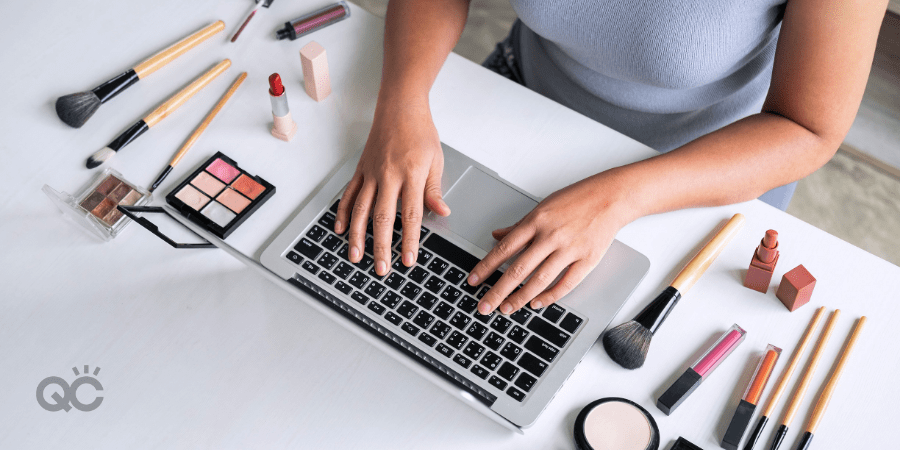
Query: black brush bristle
point(628, 344)
point(75, 109)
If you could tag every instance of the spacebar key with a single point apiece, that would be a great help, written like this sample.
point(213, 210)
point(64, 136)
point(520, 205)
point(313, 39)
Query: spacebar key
point(451, 252)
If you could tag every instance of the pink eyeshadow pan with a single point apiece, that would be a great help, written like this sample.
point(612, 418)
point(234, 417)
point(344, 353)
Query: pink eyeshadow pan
point(208, 184)
point(234, 201)
point(223, 171)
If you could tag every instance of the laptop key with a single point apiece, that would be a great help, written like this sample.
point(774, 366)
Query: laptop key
point(444, 350)
point(493, 341)
point(310, 267)
point(391, 299)
point(370, 245)
point(358, 279)
point(423, 319)
point(434, 284)
point(549, 332)
point(521, 316)
point(440, 329)
point(410, 291)
point(467, 304)
point(525, 382)
point(424, 257)
point(454, 275)
point(326, 277)
point(443, 310)
point(316, 233)
point(294, 257)
point(427, 300)
point(398, 222)
point(477, 331)
point(460, 320)
point(537, 346)
point(332, 242)
point(517, 334)
point(456, 340)
point(473, 350)
point(501, 324)
point(343, 287)
point(365, 262)
point(451, 294)
point(399, 267)
point(395, 238)
point(394, 281)
point(516, 394)
point(327, 221)
point(393, 318)
point(553, 312)
point(449, 251)
point(532, 364)
point(344, 252)
point(327, 260)
point(471, 290)
point(510, 351)
point(409, 328)
point(427, 339)
point(361, 299)
point(483, 291)
point(484, 318)
point(491, 360)
point(507, 371)
point(479, 371)
point(497, 383)
point(462, 360)
point(423, 232)
point(438, 266)
point(374, 290)
point(342, 270)
point(407, 309)
point(571, 323)
point(377, 308)
point(334, 207)
point(418, 274)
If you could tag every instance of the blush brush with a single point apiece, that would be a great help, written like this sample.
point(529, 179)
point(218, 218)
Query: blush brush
point(75, 109)
point(158, 114)
point(628, 344)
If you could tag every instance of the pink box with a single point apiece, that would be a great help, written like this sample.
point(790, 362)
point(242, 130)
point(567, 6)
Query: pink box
point(315, 71)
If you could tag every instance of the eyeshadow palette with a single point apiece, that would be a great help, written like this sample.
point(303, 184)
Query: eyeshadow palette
point(95, 208)
point(219, 195)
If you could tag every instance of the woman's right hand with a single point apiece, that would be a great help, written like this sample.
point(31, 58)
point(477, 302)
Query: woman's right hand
point(402, 160)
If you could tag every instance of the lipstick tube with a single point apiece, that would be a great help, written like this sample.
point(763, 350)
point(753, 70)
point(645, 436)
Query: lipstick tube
point(692, 377)
point(314, 21)
point(284, 128)
point(752, 394)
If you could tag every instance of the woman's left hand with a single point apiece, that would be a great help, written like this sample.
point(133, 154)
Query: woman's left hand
point(569, 231)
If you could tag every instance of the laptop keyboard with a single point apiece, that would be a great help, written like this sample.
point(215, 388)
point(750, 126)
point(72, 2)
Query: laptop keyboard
point(432, 302)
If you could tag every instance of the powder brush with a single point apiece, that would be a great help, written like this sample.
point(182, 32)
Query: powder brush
point(158, 114)
point(75, 109)
point(628, 344)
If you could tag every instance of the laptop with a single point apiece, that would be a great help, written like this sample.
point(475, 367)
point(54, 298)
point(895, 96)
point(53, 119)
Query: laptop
point(507, 367)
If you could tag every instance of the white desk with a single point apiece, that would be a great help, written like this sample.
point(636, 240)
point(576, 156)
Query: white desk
point(198, 351)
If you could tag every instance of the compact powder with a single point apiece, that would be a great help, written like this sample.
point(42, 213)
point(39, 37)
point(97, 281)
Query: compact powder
point(223, 171)
point(234, 201)
point(247, 186)
point(616, 424)
point(206, 183)
point(192, 197)
point(218, 214)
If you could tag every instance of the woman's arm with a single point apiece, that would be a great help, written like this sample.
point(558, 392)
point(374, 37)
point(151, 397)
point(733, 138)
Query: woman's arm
point(402, 158)
point(822, 62)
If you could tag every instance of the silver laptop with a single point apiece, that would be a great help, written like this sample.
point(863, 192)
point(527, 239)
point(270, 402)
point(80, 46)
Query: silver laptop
point(507, 367)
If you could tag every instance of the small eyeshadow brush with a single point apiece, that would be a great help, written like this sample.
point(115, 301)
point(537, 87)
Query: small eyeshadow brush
point(628, 344)
point(75, 109)
point(158, 114)
point(197, 132)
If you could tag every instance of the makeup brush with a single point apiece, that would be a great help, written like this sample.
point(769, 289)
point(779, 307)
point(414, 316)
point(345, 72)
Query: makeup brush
point(794, 404)
point(197, 132)
point(75, 109)
point(825, 396)
point(160, 113)
point(627, 344)
point(785, 378)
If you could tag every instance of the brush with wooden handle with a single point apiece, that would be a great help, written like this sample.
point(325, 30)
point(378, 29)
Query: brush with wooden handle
point(628, 344)
point(158, 114)
point(825, 396)
point(75, 109)
point(200, 129)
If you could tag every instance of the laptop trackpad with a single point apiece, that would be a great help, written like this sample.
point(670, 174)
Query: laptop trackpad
point(480, 204)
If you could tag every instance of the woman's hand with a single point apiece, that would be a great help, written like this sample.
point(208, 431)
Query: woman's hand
point(402, 159)
point(572, 228)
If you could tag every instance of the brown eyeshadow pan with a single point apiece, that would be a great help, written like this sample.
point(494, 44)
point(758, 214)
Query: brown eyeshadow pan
point(233, 200)
point(101, 210)
point(248, 186)
point(107, 186)
point(119, 192)
point(91, 201)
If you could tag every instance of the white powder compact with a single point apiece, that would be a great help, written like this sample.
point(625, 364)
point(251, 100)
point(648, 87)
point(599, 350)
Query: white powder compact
point(615, 424)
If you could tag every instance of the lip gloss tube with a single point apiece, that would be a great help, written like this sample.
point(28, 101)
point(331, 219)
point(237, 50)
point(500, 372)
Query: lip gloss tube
point(313, 21)
point(747, 406)
point(700, 370)
point(284, 128)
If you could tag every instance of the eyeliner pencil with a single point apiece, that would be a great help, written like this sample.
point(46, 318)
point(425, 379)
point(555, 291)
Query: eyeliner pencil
point(825, 397)
point(804, 382)
point(785, 378)
point(197, 132)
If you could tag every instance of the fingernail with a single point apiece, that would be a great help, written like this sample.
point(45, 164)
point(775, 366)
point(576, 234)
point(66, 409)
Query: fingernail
point(380, 267)
point(506, 309)
point(473, 280)
point(484, 308)
point(537, 304)
point(338, 226)
point(354, 253)
point(407, 259)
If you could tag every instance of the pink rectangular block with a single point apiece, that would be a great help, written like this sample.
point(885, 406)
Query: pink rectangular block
point(315, 71)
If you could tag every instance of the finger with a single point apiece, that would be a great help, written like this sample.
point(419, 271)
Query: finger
point(540, 280)
point(502, 232)
point(517, 272)
point(434, 198)
point(411, 218)
point(346, 204)
point(572, 278)
point(360, 219)
point(383, 226)
point(514, 242)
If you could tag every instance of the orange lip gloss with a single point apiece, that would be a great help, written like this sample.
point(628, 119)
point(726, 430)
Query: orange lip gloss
point(747, 406)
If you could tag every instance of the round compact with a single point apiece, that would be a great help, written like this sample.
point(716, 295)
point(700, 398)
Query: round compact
point(615, 424)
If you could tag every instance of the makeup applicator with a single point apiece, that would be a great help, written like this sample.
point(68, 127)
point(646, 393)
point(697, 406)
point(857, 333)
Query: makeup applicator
point(160, 113)
point(627, 344)
point(75, 109)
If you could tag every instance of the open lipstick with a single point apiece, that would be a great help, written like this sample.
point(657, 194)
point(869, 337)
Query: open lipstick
point(285, 128)
point(694, 375)
point(747, 406)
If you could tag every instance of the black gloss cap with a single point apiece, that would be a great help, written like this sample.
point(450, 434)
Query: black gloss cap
point(684, 444)
point(679, 391)
point(805, 440)
point(751, 441)
point(738, 425)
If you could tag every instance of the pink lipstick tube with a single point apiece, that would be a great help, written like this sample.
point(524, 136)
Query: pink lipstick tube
point(692, 377)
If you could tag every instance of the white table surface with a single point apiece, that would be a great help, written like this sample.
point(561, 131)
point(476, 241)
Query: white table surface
point(199, 351)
